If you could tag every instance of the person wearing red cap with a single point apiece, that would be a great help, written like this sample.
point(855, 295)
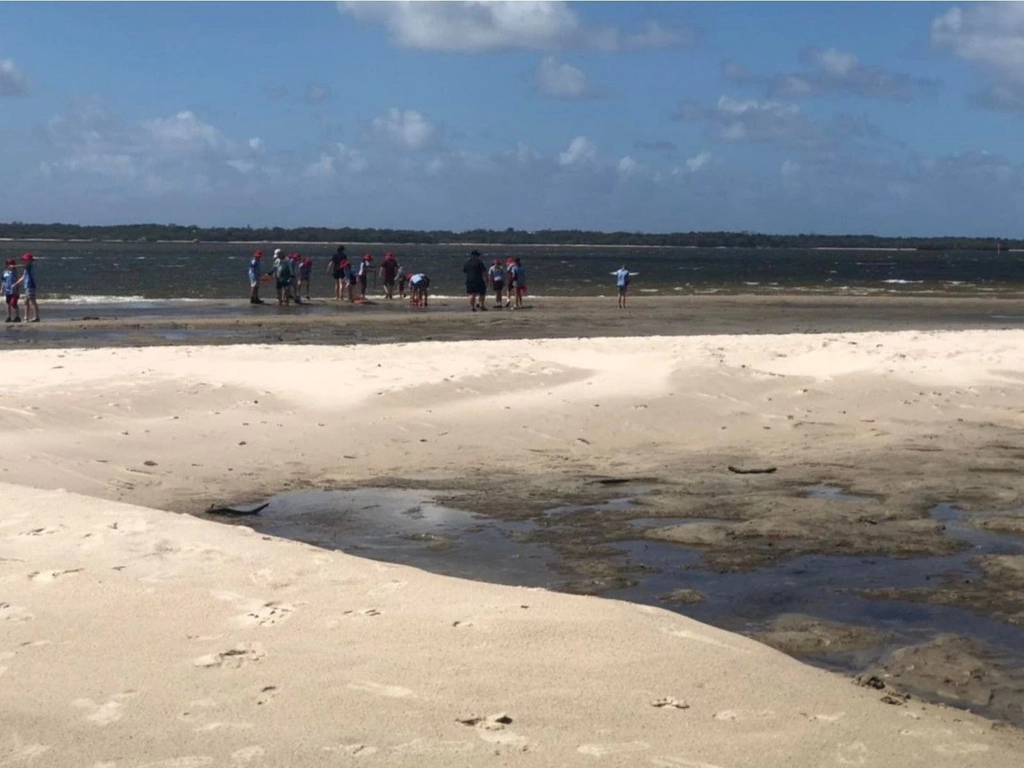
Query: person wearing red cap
point(28, 282)
point(389, 270)
point(254, 278)
point(11, 283)
point(496, 277)
point(364, 269)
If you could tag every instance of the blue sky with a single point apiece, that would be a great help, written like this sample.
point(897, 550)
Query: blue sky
point(886, 118)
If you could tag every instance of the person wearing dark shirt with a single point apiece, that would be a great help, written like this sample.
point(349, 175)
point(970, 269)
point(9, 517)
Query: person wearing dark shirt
point(337, 273)
point(476, 281)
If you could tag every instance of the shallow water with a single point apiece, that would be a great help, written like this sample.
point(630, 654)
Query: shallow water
point(141, 271)
point(406, 526)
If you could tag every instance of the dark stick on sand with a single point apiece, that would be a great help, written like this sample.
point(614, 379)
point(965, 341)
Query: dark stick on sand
point(237, 512)
point(740, 471)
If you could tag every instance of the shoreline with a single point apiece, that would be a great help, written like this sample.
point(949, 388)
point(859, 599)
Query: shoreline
point(182, 322)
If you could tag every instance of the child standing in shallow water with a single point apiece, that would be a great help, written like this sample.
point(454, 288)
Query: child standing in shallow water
point(11, 285)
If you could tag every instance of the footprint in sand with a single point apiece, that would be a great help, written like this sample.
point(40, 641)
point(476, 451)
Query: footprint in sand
point(390, 691)
point(233, 658)
point(353, 750)
point(824, 718)
point(266, 615)
point(14, 613)
point(47, 577)
point(109, 711)
point(620, 748)
point(494, 730)
point(267, 694)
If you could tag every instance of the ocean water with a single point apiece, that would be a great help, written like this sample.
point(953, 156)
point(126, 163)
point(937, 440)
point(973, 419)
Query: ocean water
point(85, 272)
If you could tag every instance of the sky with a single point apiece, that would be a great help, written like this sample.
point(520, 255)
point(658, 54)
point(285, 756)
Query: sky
point(827, 117)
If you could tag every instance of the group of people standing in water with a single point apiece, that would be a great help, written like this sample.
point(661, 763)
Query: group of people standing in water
point(507, 281)
point(291, 274)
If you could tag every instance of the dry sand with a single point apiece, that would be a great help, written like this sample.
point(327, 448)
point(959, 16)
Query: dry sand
point(130, 636)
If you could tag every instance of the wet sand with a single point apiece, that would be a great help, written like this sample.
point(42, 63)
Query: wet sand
point(380, 322)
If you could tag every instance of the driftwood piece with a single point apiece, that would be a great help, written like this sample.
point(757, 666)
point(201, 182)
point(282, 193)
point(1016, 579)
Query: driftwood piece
point(762, 471)
point(237, 512)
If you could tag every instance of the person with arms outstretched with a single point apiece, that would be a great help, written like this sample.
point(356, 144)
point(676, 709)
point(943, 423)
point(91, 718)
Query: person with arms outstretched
point(622, 283)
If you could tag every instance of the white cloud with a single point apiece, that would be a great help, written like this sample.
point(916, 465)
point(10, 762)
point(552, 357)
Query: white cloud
point(751, 120)
point(627, 166)
point(181, 152)
point(988, 34)
point(561, 81)
point(473, 27)
point(775, 122)
point(12, 81)
point(340, 160)
point(831, 71)
point(833, 62)
point(184, 133)
point(990, 37)
point(407, 129)
point(581, 151)
point(697, 162)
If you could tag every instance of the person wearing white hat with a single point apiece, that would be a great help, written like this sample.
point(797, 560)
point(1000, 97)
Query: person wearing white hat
point(283, 277)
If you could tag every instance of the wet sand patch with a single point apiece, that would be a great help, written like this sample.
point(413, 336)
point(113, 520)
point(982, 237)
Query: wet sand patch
point(843, 611)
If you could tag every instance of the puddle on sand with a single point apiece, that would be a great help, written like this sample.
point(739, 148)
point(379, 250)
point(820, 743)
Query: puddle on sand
point(833, 493)
point(406, 526)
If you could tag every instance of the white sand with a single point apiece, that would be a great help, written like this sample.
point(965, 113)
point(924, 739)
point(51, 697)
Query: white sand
point(131, 636)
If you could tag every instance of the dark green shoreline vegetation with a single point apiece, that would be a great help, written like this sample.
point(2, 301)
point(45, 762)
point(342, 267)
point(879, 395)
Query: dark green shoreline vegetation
point(150, 233)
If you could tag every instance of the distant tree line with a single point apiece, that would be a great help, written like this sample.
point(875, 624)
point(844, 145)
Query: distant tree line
point(17, 230)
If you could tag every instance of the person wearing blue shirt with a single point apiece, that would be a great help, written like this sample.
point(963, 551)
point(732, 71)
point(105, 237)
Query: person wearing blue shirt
point(622, 283)
point(519, 281)
point(254, 278)
point(28, 282)
point(11, 284)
